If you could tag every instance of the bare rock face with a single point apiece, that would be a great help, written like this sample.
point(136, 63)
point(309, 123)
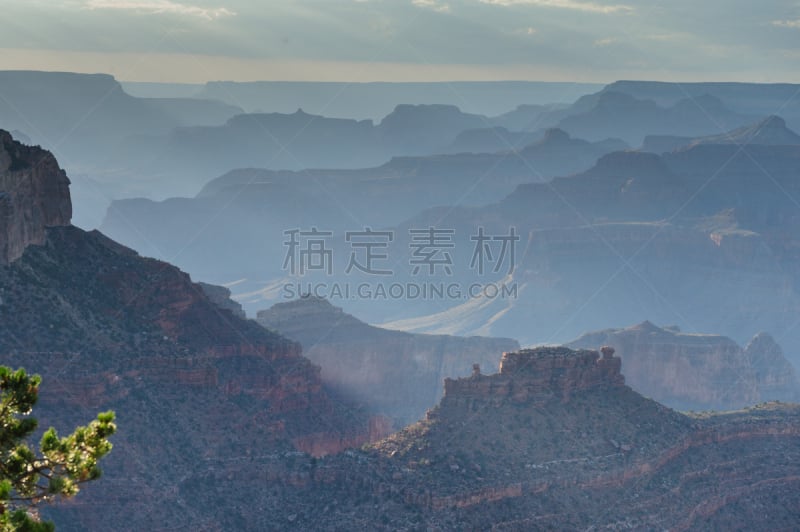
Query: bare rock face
point(34, 195)
point(700, 371)
point(537, 375)
point(776, 377)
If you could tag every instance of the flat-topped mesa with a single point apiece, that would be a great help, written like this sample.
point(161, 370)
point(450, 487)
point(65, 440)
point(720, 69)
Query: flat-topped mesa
point(34, 195)
point(539, 374)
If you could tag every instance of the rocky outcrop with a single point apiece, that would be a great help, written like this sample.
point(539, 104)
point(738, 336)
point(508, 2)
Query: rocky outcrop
point(392, 373)
point(699, 371)
point(34, 195)
point(222, 297)
point(538, 374)
point(776, 377)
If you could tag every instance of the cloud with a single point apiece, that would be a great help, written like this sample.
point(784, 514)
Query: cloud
point(528, 31)
point(787, 23)
point(574, 5)
point(435, 5)
point(154, 7)
point(608, 41)
point(665, 37)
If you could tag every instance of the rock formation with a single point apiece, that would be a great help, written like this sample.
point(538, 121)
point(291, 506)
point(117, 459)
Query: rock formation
point(776, 377)
point(539, 374)
point(34, 195)
point(699, 371)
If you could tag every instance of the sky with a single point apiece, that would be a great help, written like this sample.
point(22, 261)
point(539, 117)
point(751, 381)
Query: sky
point(194, 41)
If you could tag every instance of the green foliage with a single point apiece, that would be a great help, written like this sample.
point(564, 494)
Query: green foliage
point(61, 465)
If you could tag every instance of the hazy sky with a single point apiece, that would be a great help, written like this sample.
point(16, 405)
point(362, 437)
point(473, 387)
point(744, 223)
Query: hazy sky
point(406, 40)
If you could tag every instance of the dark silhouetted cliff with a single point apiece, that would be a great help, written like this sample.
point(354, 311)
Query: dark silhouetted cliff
point(34, 195)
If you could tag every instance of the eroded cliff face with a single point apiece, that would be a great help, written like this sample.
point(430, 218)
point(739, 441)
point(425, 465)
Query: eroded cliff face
point(392, 373)
point(776, 377)
point(700, 371)
point(538, 374)
point(34, 195)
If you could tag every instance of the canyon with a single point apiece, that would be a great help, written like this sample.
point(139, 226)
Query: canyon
point(391, 373)
point(309, 418)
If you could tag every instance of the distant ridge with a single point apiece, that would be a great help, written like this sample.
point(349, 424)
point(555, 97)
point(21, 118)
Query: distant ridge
point(377, 99)
point(771, 131)
point(699, 371)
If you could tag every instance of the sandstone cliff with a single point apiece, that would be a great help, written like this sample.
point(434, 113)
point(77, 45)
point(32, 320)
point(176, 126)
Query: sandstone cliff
point(34, 195)
point(538, 374)
point(699, 371)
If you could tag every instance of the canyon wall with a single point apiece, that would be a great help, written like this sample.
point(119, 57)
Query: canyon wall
point(699, 371)
point(34, 195)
